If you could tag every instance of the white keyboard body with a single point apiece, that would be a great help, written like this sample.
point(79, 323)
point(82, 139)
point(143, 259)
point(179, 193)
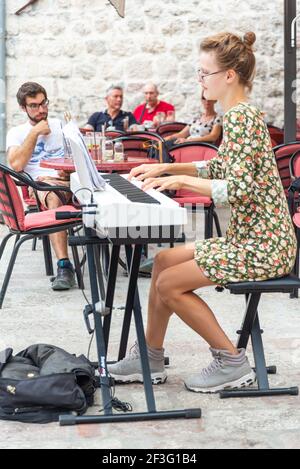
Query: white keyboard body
point(114, 210)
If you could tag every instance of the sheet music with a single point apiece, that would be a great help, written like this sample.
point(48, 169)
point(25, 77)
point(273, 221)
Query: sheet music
point(85, 166)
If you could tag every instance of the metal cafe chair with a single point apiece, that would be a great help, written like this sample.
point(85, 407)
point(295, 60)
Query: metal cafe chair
point(251, 330)
point(32, 206)
point(169, 128)
point(25, 226)
point(294, 203)
point(283, 154)
point(276, 134)
point(186, 153)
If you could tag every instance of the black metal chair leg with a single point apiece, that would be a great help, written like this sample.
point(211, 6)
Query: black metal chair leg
point(251, 327)
point(252, 302)
point(47, 255)
point(217, 223)
point(11, 266)
point(206, 224)
point(34, 242)
point(259, 356)
point(295, 293)
point(4, 242)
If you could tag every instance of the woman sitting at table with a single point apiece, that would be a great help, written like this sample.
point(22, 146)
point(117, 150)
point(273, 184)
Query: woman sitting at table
point(206, 128)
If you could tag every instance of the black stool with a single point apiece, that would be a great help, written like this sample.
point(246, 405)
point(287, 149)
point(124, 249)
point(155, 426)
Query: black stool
point(250, 326)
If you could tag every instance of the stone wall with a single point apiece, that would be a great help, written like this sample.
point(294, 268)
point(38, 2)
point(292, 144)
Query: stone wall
point(76, 48)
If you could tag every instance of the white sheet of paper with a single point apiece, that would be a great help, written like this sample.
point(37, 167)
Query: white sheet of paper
point(85, 166)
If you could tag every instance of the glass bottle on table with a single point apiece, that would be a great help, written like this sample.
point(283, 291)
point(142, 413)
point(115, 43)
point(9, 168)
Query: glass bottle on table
point(118, 151)
point(108, 154)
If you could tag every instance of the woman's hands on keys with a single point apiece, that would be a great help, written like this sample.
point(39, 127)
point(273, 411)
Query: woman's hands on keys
point(145, 171)
point(148, 173)
point(164, 183)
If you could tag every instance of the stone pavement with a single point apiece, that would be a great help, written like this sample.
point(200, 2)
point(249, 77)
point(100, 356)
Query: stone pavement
point(33, 313)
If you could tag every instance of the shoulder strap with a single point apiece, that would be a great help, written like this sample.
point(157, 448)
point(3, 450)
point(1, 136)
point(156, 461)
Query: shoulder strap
point(142, 114)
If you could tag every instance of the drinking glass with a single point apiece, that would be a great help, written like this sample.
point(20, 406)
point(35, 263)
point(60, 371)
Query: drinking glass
point(148, 124)
point(126, 123)
point(156, 121)
point(98, 147)
point(171, 116)
point(161, 117)
point(67, 149)
point(88, 139)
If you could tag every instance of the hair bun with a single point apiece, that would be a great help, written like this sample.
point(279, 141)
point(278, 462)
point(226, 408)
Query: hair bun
point(249, 38)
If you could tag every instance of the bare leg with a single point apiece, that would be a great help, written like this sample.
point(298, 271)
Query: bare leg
point(59, 243)
point(175, 286)
point(58, 240)
point(158, 312)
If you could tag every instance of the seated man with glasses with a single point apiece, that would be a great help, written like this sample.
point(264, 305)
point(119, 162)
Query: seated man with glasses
point(27, 144)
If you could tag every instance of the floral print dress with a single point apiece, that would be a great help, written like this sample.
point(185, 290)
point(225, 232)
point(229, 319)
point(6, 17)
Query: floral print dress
point(260, 241)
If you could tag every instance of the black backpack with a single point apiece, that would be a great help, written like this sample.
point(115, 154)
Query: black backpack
point(154, 152)
point(42, 382)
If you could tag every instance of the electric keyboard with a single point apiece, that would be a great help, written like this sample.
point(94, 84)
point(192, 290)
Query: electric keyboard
point(123, 204)
point(128, 189)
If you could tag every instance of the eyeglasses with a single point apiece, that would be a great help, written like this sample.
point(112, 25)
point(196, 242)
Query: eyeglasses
point(36, 106)
point(202, 75)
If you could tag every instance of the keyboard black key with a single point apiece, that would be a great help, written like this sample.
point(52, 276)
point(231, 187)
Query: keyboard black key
point(129, 190)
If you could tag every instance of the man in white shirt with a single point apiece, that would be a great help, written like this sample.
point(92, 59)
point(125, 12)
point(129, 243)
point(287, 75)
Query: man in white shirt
point(27, 144)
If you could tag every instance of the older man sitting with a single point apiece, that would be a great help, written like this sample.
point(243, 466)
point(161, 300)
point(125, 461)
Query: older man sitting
point(113, 116)
point(152, 106)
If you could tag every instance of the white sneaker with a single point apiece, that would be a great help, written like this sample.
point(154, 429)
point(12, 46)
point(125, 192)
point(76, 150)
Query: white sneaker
point(226, 371)
point(129, 369)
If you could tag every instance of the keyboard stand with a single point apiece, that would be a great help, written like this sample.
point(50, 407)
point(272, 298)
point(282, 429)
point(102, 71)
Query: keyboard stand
point(102, 327)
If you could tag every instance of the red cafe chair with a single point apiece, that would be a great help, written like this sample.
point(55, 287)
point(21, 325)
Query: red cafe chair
point(294, 203)
point(186, 153)
point(30, 225)
point(276, 134)
point(283, 154)
point(169, 128)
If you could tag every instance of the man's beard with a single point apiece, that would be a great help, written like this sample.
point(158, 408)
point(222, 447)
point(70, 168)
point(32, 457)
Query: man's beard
point(37, 120)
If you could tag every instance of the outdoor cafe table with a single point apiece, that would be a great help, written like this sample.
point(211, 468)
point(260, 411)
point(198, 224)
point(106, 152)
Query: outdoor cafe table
point(67, 164)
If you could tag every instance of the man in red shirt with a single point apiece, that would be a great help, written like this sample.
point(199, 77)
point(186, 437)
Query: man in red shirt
point(147, 110)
